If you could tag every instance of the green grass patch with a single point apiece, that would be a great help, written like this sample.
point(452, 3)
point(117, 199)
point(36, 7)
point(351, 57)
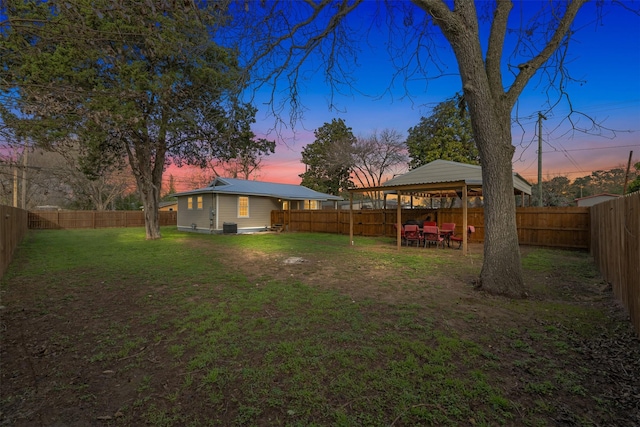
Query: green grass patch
point(200, 338)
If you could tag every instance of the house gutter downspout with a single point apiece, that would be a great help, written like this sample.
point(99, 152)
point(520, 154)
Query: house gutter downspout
point(217, 210)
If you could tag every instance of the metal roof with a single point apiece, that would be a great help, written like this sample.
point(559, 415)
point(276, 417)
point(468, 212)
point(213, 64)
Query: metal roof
point(445, 172)
point(260, 188)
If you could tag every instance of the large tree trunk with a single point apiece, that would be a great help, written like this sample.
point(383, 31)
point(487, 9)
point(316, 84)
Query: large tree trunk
point(490, 108)
point(501, 270)
point(147, 165)
point(150, 197)
point(491, 121)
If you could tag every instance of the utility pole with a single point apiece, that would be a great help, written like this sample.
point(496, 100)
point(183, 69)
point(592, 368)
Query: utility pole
point(540, 118)
point(626, 175)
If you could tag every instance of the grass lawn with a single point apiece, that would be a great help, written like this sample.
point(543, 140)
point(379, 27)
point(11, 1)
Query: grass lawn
point(100, 327)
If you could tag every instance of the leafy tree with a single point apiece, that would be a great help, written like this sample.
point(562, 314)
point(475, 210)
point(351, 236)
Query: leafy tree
point(374, 157)
point(328, 159)
point(125, 80)
point(556, 192)
point(446, 135)
point(635, 184)
point(603, 181)
point(582, 187)
point(609, 181)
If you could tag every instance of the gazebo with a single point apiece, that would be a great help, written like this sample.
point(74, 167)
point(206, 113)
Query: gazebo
point(442, 177)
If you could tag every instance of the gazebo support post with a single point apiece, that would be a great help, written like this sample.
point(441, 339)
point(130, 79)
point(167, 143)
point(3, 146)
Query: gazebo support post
point(351, 219)
point(398, 223)
point(465, 224)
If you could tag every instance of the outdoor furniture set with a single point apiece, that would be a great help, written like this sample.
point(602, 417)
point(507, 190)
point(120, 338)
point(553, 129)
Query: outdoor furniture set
point(430, 234)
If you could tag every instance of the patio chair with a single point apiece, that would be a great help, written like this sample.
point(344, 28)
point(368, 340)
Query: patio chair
point(470, 230)
point(431, 234)
point(412, 234)
point(429, 223)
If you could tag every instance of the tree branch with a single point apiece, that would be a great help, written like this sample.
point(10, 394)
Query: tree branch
point(529, 68)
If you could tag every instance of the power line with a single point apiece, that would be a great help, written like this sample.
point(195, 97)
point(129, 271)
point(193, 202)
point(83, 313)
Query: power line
point(595, 148)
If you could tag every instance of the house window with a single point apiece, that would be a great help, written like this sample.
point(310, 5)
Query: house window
point(285, 205)
point(243, 207)
point(200, 202)
point(311, 204)
point(189, 202)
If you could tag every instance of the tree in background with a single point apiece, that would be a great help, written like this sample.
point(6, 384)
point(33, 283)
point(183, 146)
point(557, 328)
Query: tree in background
point(609, 181)
point(446, 134)
point(375, 157)
point(560, 191)
point(57, 179)
point(125, 80)
point(328, 160)
point(246, 158)
point(168, 195)
point(601, 181)
point(634, 185)
point(555, 192)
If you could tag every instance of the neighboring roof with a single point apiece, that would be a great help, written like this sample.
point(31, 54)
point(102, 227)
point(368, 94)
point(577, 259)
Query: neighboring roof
point(259, 188)
point(168, 203)
point(607, 195)
point(445, 172)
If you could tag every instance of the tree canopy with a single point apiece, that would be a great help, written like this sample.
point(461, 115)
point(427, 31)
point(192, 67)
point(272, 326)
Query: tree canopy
point(123, 79)
point(328, 159)
point(635, 184)
point(446, 134)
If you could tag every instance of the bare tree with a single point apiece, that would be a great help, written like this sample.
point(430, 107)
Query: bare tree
point(57, 179)
point(376, 157)
point(247, 160)
point(492, 80)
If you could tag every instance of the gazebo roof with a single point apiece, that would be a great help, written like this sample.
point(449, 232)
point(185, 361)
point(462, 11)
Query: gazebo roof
point(444, 175)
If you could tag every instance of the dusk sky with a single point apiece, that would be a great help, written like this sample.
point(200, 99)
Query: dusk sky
point(604, 55)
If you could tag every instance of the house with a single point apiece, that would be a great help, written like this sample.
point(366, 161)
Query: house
point(595, 199)
point(237, 205)
point(169, 206)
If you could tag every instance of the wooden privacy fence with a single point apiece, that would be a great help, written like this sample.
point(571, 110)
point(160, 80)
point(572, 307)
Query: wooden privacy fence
point(615, 246)
point(48, 220)
point(13, 228)
point(553, 227)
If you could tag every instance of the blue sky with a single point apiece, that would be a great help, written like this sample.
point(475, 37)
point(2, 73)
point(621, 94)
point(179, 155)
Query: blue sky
point(604, 55)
